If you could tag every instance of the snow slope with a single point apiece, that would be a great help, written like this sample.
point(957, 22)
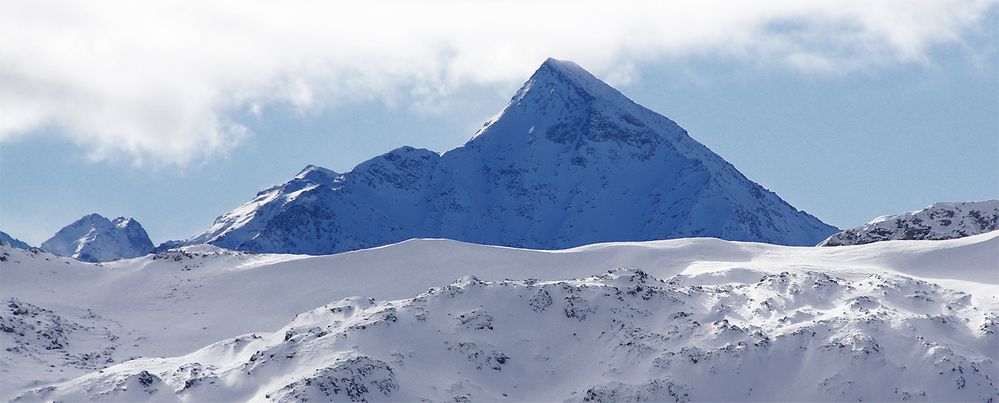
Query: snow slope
point(938, 221)
point(94, 238)
point(889, 320)
point(551, 171)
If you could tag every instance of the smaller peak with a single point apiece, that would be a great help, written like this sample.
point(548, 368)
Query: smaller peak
point(125, 222)
point(91, 219)
point(409, 152)
point(401, 150)
point(316, 173)
point(402, 156)
point(312, 168)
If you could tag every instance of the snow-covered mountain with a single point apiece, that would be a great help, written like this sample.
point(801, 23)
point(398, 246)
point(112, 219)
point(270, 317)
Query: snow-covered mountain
point(570, 161)
point(689, 319)
point(938, 221)
point(94, 238)
point(9, 240)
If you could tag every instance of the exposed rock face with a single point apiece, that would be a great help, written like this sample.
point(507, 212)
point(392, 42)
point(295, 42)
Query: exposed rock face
point(570, 161)
point(938, 221)
point(47, 339)
point(94, 238)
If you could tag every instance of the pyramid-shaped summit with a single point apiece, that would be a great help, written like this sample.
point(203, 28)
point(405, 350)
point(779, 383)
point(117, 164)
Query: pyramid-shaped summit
point(569, 161)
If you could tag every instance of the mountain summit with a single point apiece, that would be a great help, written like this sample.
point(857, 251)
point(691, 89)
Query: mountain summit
point(94, 238)
point(569, 161)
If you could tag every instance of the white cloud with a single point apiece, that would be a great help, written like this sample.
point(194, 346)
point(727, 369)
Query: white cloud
point(154, 81)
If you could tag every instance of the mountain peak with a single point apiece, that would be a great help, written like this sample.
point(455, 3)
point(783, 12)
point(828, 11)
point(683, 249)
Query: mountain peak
point(564, 104)
point(317, 174)
point(567, 68)
point(555, 75)
point(94, 238)
point(569, 161)
point(92, 217)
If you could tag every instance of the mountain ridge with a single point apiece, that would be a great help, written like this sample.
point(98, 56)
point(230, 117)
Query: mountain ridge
point(552, 170)
point(941, 220)
point(17, 243)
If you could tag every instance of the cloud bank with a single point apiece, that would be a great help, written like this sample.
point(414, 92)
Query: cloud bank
point(157, 82)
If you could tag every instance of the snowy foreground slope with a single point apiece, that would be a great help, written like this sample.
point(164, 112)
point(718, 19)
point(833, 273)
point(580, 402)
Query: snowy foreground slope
point(687, 319)
point(938, 221)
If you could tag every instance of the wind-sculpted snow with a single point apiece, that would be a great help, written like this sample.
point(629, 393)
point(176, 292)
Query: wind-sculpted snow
point(621, 335)
point(938, 221)
point(554, 169)
point(94, 238)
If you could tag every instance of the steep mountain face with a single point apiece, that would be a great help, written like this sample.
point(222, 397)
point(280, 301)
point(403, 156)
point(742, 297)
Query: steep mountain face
point(938, 221)
point(570, 161)
point(94, 238)
point(9, 240)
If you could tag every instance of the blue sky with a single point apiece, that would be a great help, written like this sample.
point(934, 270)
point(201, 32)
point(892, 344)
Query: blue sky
point(841, 113)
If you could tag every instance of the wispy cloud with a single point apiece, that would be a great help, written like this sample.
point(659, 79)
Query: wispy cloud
point(155, 81)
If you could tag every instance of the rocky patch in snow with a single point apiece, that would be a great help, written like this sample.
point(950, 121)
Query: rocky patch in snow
point(938, 221)
point(36, 339)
